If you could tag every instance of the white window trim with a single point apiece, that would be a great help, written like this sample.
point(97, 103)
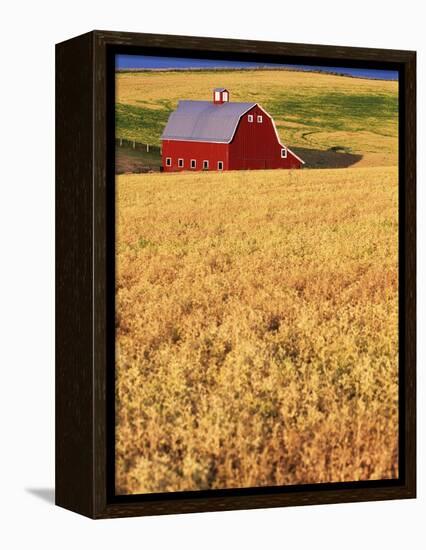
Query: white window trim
point(181, 163)
point(168, 161)
point(193, 164)
point(220, 162)
point(205, 164)
point(284, 152)
point(217, 96)
point(259, 119)
point(250, 118)
point(225, 96)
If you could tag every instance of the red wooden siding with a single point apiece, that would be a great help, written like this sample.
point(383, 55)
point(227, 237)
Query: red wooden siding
point(255, 145)
point(200, 151)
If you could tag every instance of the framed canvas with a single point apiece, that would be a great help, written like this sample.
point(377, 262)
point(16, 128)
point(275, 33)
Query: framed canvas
point(235, 274)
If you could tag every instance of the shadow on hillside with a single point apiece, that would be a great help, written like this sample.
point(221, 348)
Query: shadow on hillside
point(332, 158)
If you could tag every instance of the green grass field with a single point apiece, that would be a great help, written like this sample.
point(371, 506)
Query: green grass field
point(329, 120)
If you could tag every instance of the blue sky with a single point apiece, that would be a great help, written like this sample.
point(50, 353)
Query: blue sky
point(153, 62)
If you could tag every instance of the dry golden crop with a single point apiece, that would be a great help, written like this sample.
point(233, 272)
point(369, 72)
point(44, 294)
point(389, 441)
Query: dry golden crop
point(257, 329)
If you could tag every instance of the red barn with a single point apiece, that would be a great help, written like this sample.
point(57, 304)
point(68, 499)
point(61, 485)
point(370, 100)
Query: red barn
point(223, 135)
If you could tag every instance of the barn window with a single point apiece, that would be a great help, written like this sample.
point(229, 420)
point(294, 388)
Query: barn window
point(205, 164)
point(180, 163)
point(259, 118)
point(168, 161)
point(250, 118)
point(220, 164)
point(284, 153)
point(193, 163)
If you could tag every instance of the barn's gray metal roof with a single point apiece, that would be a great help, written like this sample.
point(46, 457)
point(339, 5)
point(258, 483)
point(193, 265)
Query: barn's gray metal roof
point(205, 121)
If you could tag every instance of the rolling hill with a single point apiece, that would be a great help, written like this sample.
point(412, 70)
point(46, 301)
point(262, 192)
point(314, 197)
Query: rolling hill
point(329, 120)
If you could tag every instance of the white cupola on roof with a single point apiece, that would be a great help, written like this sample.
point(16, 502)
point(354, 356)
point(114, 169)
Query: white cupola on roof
point(220, 95)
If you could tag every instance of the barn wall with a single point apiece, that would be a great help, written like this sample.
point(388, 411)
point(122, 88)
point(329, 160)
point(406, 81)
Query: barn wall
point(255, 145)
point(187, 150)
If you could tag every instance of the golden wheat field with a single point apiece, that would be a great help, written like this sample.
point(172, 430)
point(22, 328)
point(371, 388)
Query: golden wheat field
point(257, 328)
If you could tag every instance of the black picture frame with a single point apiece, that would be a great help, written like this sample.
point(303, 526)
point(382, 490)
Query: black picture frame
point(85, 285)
